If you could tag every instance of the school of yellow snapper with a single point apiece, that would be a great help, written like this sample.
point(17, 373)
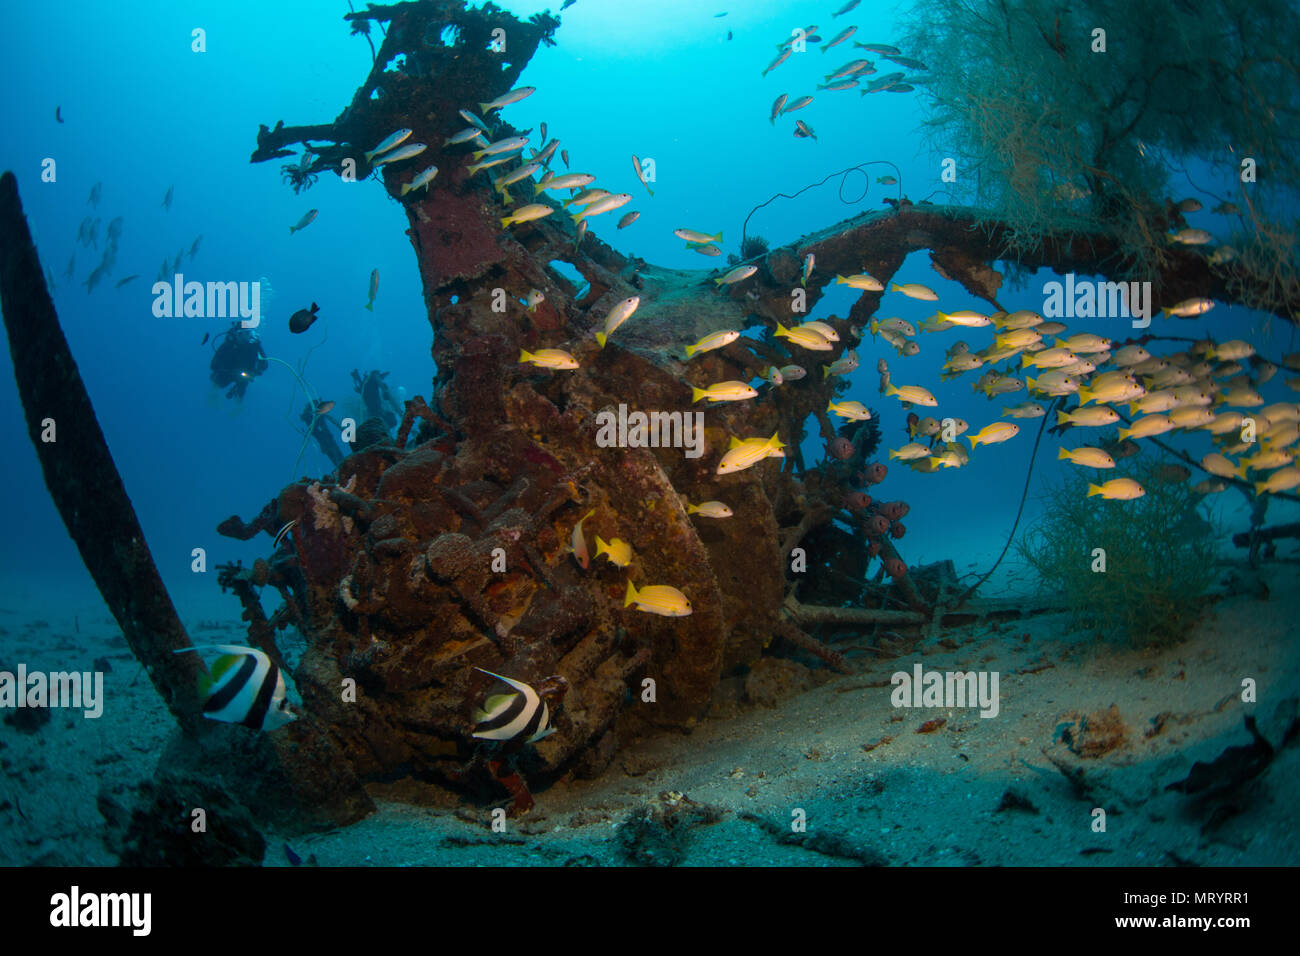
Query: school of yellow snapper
point(1210, 387)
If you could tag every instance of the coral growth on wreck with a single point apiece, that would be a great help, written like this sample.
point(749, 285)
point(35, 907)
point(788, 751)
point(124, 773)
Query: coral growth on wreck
point(1137, 573)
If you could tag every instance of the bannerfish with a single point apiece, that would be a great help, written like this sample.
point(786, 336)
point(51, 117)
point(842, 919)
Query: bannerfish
point(507, 717)
point(243, 687)
point(303, 319)
point(305, 221)
point(661, 599)
point(374, 289)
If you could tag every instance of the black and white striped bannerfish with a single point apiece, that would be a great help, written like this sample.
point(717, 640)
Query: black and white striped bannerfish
point(243, 686)
point(505, 717)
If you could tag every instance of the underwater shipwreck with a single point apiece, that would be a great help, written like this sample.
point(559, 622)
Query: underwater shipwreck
point(492, 533)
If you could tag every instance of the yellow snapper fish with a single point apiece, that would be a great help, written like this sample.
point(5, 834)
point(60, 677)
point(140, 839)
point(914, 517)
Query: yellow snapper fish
point(1054, 382)
point(724, 392)
point(1189, 308)
point(909, 452)
point(408, 151)
point(1049, 358)
point(894, 324)
point(489, 164)
point(617, 316)
point(602, 205)
point(825, 329)
point(1230, 351)
point(912, 394)
point(617, 551)
point(509, 179)
point(562, 181)
point(1085, 343)
point(928, 427)
point(1118, 489)
point(661, 599)
point(1224, 422)
point(966, 318)
point(845, 365)
point(578, 544)
point(420, 181)
point(914, 290)
point(993, 434)
point(374, 290)
point(584, 198)
point(709, 509)
point(1281, 480)
point(854, 411)
point(1114, 390)
point(1131, 355)
point(1024, 410)
point(959, 365)
point(1147, 426)
point(1094, 417)
point(527, 214)
point(1191, 416)
point(738, 274)
point(1017, 338)
point(1242, 396)
point(505, 99)
point(388, 143)
point(1222, 467)
point(1020, 319)
point(862, 281)
point(1151, 402)
point(1266, 460)
point(951, 456)
point(714, 340)
point(549, 358)
point(694, 237)
point(745, 454)
point(807, 338)
point(1086, 456)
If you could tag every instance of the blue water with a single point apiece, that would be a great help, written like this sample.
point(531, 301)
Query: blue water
point(143, 112)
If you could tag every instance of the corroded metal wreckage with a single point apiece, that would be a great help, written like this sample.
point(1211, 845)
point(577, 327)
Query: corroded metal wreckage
point(445, 547)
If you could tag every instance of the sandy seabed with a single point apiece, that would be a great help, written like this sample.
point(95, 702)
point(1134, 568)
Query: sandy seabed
point(784, 742)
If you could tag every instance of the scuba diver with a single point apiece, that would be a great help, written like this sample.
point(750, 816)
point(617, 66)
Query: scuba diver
point(237, 359)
